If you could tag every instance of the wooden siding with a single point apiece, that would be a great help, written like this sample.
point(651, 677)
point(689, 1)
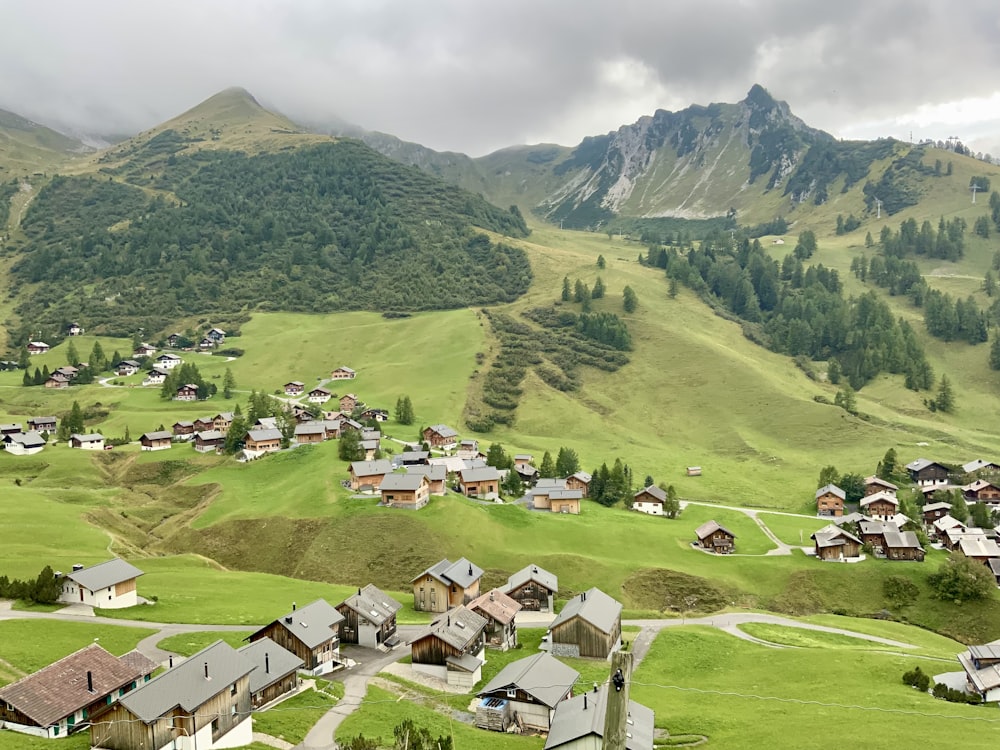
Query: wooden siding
point(458, 595)
point(572, 483)
point(850, 549)
point(125, 587)
point(571, 506)
point(881, 508)
point(829, 504)
point(353, 625)
point(326, 651)
point(532, 596)
point(432, 650)
point(286, 684)
point(593, 642)
point(431, 595)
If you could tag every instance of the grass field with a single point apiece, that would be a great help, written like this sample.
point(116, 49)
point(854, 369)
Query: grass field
point(292, 719)
point(792, 530)
point(802, 638)
point(186, 644)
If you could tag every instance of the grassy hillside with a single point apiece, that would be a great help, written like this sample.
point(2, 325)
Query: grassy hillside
point(27, 147)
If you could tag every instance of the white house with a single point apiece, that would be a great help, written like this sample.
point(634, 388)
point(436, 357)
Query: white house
point(168, 361)
point(108, 585)
point(649, 500)
point(155, 376)
point(91, 442)
point(23, 443)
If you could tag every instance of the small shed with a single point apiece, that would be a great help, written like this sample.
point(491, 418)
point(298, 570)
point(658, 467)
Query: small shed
point(694, 471)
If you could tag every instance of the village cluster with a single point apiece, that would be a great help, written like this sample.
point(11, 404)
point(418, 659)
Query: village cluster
point(210, 698)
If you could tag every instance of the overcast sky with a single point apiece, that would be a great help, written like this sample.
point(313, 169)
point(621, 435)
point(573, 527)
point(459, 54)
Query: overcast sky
point(475, 76)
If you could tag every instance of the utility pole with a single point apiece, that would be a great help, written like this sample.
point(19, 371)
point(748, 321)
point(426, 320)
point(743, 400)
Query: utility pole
point(616, 718)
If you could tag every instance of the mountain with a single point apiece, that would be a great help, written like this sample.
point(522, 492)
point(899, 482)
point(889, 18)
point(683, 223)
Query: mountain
point(27, 147)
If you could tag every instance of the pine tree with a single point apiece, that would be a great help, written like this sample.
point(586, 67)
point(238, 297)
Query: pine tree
point(547, 470)
point(566, 290)
point(672, 506)
point(38, 379)
point(349, 446)
point(629, 300)
point(496, 456)
point(72, 356)
point(673, 288)
point(601, 263)
point(228, 384)
point(945, 400)
point(28, 380)
point(97, 362)
point(995, 353)
point(404, 410)
point(23, 357)
point(128, 436)
point(833, 372)
point(74, 422)
point(598, 291)
point(567, 462)
point(578, 291)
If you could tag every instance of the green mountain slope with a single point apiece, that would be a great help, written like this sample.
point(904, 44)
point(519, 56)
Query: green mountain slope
point(27, 147)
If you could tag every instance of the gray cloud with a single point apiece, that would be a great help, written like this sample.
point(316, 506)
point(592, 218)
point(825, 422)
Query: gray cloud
point(477, 76)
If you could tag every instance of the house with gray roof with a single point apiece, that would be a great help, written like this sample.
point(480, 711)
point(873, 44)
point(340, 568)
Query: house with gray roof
point(199, 704)
point(446, 584)
point(533, 587)
point(62, 697)
point(589, 625)
point(440, 436)
point(266, 440)
point(369, 474)
point(531, 688)
point(158, 440)
point(436, 475)
point(715, 537)
point(578, 723)
point(108, 585)
point(924, 472)
point(89, 442)
point(982, 670)
point(42, 424)
point(369, 618)
point(830, 501)
point(649, 500)
point(451, 648)
point(834, 543)
point(481, 482)
point(312, 633)
point(24, 443)
point(275, 671)
point(410, 491)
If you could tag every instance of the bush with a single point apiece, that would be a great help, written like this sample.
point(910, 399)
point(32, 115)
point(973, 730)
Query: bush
point(917, 678)
point(951, 695)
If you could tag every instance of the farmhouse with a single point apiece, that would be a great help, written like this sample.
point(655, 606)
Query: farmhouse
point(484, 482)
point(144, 350)
point(64, 696)
point(982, 491)
point(182, 428)
point(440, 436)
point(649, 500)
point(544, 487)
point(57, 380)
point(156, 441)
point(445, 585)
point(902, 545)
point(833, 543)
point(168, 361)
point(187, 392)
point(451, 648)
point(981, 468)
point(206, 343)
point(533, 588)
point(348, 403)
point(579, 481)
point(830, 501)
point(715, 538)
point(578, 723)
point(924, 472)
point(74, 329)
point(155, 376)
point(90, 442)
point(872, 533)
point(10, 428)
point(215, 335)
point(209, 440)
point(499, 611)
point(875, 484)
point(223, 421)
point(979, 548)
point(933, 511)
point(127, 367)
point(263, 441)
point(590, 625)
point(410, 491)
point(414, 458)
point(982, 670)
point(526, 691)
point(108, 585)
point(377, 415)
point(42, 424)
point(320, 395)
point(174, 339)
point(436, 476)
point(37, 347)
point(468, 449)
point(880, 505)
point(200, 704)
point(311, 633)
point(204, 423)
point(953, 536)
point(368, 473)
point(24, 443)
point(565, 501)
point(369, 618)
point(343, 373)
point(275, 671)
point(294, 388)
point(310, 432)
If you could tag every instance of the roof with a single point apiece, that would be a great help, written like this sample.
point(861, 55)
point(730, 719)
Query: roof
point(343, 368)
point(901, 540)
point(876, 527)
point(463, 572)
point(981, 547)
point(225, 416)
point(594, 606)
point(42, 420)
point(183, 423)
point(443, 430)
point(851, 518)
point(186, 685)
point(482, 474)
point(414, 456)
point(320, 389)
point(978, 485)
point(312, 624)
point(542, 676)
point(371, 468)
point(310, 428)
point(435, 473)
point(402, 482)
point(830, 489)
point(710, 527)
point(29, 439)
point(271, 662)
point(372, 604)
point(450, 463)
point(977, 465)
point(947, 522)
point(94, 437)
point(60, 689)
point(465, 662)
point(105, 574)
point(583, 715)
point(550, 483)
point(266, 423)
point(518, 456)
point(211, 435)
point(983, 679)
point(936, 506)
point(659, 495)
point(266, 434)
point(878, 496)
point(922, 463)
point(536, 574)
point(833, 536)
point(582, 476)
point(167, 355)
point(459, 628)
point(157, 435)
point(496, 605)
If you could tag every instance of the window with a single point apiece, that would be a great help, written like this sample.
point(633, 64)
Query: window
point(55, 730)
point(215, 725)
point(232, 689)
point(512, 692)
point(232, 710)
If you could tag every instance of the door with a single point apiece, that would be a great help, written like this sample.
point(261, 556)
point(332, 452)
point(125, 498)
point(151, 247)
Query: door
point(81, 593)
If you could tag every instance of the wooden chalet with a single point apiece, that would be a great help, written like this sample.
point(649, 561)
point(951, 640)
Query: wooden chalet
point(65, 696)
point(542, 490)
point(830, 501)
point(159, 440)
point(204, 423)
point(181, 428)
point(375, 415)
point(564, 501)
point(144, 350)
point(649, 500)
point(902, 545)
point(275, 671)
point(187, 392)
point(343, 373)
point(982, 671)
point(174, 339)
point(320, 395)
point(23, 443)
point(436, 477)
point(89, 442)
point(715, 538)
point(533, 588)
point(445, 585)
point(414, 458)
point(168, 361)
point(925, 472)
point(57, 380)
point(74, 329)
point(10, 428)
point(578, 724)
point(525, 692)
point(209, 440)
point(204, 702)
point(348, 403)
point(440, 436)
point(981, 468)
point(223, 421)
point(408, 491)
point(310, 432)
point(369, 618)
point(295, 388)
point(589, 625)
point(933, 511)
point(215, 335)
point(468, 449)
point(979, 548)
point(953, 536)
point(42, 424)
point(155, 376)
point(262, 441)
point(499, 611)
point(982, 491)
point(880, 505)
point(835, 543)
point(579, 481)
point(451, 648)
point(872, 532)
point(312, 633)
point(480, 482)
point(37, 347)
point(369, 474)
point(127, 367)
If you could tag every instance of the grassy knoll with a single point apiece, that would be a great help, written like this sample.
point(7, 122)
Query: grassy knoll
point(29, 645)
point(803, 638)
point(929, 643)
point(292, 719)
point(793, 530)
point(186, 644)
point(710, 660)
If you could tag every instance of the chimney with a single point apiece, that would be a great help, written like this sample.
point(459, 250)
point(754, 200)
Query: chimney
point(267, 663)
point(584, 701)
point(449, 621)
point(77, 566)
point(359, 591)
point(288, 620)
point(491, 596)
point(534, 568)
point(170, 661)
point(293, 606)
point(206, 671)
point(90, 681)
point(595, 688)
point(470, 569)
point(583, 596)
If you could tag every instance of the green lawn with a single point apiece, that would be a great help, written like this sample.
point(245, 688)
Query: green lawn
point(292, 719)
point(792, 530)
point(186, 644)
point(804, 638)
point(29, 645)
point(16, 741)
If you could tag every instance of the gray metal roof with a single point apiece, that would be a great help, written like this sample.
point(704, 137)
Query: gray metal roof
point(710, 527)
point(271, 663)
point(459, 628)
point(435, 473)
point(976, 465)
point(402, 482)
point(414, 456)
point(582, 476)
point(594, 606)
point(542, 676)
point(42, 420)
point(831, 489)
point(653, 490)
point(312, 624)
point(310, 428)
point(186, 685)
point(901, 539)
point(565, 494)
point(876, 527)
point(461, 572)
point(443, 430)
point(536, 574)
point(983, 679)
point(372, 604)
point(104, 574)
point(211, 435)
point(484, 474)
point(833, 536)
point(268, 434)
point(157, 435)
point(94, 437)
point(371, 468)
point(572, 721)
point(875, 497)
point(936, 506)
point(549, 483)
point(29, 439)
point(465, 662)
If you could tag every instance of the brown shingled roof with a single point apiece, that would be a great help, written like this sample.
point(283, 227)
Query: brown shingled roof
point(496, 605)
